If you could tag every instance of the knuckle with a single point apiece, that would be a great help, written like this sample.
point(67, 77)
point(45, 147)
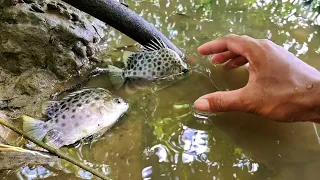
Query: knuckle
point(266, 43)
point(249, 102)
point(231, 36)
point(225, 56)
point(219, 104)
point(245, 37)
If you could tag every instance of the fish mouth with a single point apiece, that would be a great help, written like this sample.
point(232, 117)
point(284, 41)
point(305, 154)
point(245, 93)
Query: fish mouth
point(185, 71)
point(127, 106)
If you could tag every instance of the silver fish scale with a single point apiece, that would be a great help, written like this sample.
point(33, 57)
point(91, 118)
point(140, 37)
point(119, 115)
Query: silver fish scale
point(71, 106)
point(82, 113)
point(152, 64)
point(73, 100)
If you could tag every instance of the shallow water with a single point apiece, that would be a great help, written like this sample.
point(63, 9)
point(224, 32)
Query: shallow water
point(160, 138)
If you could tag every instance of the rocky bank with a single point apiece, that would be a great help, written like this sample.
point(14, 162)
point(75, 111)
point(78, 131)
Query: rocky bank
point(43, 44)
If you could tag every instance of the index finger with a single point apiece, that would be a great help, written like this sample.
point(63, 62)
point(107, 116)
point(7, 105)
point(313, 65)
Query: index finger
point(234, 43)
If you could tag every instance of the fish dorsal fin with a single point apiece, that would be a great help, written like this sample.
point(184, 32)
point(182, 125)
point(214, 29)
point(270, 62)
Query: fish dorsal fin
point(49, 108)
point(154, 45)
point(75, 93)
point(116, 76)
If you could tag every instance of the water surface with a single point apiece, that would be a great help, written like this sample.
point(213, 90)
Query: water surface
point(160, 138)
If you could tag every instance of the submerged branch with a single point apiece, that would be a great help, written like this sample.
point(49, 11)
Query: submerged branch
point(56, 152)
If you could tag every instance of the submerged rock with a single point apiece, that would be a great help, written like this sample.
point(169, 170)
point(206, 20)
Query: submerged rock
point(43, 43)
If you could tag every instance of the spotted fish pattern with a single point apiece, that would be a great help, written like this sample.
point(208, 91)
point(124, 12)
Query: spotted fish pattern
point(79, 115)
point(153, 65)
point(155, 61)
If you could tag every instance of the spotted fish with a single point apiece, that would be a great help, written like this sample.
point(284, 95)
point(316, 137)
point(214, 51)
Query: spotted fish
point(79, 115)
point(155, 61)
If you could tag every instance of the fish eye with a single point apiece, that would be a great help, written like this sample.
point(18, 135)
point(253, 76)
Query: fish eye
point(117, 100)
point(185, 70)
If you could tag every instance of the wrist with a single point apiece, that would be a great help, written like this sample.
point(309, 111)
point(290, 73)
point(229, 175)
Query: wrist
point(315, 104)
point(312, 100)
point(303, 98)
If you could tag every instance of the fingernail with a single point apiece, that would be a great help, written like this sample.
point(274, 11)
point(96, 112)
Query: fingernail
point(202, 104)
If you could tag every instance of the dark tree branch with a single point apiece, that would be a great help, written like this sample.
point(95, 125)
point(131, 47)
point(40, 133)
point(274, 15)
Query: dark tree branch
point(123, 19)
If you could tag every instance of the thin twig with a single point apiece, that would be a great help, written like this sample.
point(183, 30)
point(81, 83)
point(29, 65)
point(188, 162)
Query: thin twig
point(57, 152)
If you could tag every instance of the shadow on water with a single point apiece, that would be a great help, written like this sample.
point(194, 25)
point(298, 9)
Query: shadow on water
point(160, 138)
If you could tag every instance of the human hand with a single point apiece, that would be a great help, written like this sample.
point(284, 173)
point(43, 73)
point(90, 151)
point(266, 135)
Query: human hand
point(280, 86)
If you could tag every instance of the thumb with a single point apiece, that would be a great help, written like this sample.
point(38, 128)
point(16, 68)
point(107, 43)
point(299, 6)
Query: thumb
point(220, 101)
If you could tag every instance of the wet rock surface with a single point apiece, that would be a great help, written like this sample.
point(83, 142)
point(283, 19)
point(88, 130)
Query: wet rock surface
point(43, 44)
point(13, 159)
point(7, 136)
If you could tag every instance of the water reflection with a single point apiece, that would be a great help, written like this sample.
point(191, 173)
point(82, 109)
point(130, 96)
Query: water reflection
point(34, 173)
point(162, 139)
point(193, 152)
point(188, 145)
point(185, 146)
point(193, 142)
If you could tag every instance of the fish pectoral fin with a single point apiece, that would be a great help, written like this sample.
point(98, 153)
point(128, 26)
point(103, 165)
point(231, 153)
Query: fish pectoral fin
point(135, 85)
point(34, 127)
point(127, 56)
point(100, 133)
point(96, 72)
point(95, 136)
point(54, 139)
point(49, 108)
point(116, 76)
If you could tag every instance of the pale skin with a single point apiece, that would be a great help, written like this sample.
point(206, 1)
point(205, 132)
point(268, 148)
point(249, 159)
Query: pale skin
point(280, 86)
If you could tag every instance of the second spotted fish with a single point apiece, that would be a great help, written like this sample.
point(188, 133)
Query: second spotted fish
point(155, 61)
point(79, 115)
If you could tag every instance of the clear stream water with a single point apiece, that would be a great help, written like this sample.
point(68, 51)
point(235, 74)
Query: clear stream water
point(159, 138)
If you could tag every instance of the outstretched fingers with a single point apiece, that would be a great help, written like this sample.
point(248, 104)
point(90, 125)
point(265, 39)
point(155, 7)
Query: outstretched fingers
point(239, 45)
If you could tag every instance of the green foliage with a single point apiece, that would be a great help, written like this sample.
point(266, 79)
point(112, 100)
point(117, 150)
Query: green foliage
point(314, 4)
point(237, 151)
point(206, 6)
point(164, 127)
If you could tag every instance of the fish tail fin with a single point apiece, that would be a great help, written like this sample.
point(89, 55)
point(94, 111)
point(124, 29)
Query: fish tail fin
point(34, 127)
point(116, 76)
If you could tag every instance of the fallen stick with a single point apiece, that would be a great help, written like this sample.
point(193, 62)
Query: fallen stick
point(56, 152)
